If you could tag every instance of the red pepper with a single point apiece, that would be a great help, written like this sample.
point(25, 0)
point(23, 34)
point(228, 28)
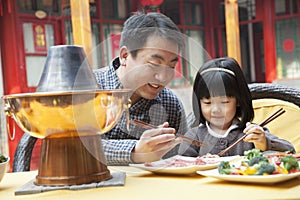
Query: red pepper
point(234, 173)
point(294, 171)
point(276, 172)
point(278, 163)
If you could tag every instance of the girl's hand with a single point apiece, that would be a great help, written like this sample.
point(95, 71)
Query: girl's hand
point(154, 144)
point(256, 134)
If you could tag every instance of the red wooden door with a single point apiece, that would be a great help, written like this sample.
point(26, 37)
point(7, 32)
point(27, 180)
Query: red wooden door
point(25, 42)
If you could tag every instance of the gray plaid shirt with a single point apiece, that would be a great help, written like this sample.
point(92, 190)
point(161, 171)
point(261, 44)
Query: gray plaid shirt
point(119, 142)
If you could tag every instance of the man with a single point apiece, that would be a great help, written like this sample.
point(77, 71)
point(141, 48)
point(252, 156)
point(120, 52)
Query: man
point(149, 48)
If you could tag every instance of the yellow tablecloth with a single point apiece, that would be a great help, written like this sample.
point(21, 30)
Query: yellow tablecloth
point(145, 185)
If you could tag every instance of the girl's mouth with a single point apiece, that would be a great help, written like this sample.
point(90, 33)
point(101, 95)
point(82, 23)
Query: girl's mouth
point(217, 117)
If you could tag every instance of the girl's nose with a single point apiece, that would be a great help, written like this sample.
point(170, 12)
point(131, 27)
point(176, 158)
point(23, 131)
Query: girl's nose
point(216, 107)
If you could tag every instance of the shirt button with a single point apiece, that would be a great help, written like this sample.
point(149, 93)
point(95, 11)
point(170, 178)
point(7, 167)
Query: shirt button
point(223, 142)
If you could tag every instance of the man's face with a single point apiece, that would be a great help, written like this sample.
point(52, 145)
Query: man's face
point(152, 69)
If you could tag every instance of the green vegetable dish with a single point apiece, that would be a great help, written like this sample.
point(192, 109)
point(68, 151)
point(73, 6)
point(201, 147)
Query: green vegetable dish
point(2, 158)
point(255, 163)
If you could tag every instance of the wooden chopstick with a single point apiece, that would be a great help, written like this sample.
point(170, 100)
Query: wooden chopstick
point(150, 126)
point(276, 114)
point(273, 116)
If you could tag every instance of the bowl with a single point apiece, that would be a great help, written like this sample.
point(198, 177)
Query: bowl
point(3, 167)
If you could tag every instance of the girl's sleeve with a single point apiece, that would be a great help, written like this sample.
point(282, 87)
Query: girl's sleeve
point(277, 144)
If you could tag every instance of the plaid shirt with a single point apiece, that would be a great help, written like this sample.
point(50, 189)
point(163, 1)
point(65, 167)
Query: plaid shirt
point(119, 142)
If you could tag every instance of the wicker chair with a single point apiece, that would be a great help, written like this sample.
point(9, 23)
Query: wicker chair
point(23, 153)
point(275, 91)
point(267, 98)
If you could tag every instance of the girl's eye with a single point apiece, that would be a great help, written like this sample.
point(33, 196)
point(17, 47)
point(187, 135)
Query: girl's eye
point(224, 102)
point(206, 102)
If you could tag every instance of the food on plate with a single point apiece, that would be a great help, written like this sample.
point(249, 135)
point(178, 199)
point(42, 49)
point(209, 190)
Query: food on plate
point(2, 158)
point(257, 160)
point(225, 168)
point(282, 154)
point(252, 153)
point(255, 163)
point(182, 161)
point(210, 156)
point(290, 163)
point(183, 165)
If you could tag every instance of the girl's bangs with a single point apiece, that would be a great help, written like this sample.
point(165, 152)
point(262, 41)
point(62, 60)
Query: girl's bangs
point(218, 85)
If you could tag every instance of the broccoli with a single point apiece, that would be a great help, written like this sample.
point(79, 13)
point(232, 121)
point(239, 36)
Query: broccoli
point(291, 151)
point(290, 162)
point(252, 153)
point(225, 168)
point(257, 160)
point(2, 158)
point(265, 168)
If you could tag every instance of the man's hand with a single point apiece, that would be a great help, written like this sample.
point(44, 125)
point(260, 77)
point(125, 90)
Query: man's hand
point(154, 144)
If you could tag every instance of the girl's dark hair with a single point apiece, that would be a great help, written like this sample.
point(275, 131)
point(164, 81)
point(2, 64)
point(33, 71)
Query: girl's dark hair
point(212, 81)
point(140, 26)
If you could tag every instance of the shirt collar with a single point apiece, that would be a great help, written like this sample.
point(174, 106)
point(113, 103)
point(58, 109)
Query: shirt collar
point(116, 63)
point(215, 134)
point(112, 73)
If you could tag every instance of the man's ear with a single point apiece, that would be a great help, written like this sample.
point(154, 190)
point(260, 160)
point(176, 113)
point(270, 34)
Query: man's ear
point(123, 53)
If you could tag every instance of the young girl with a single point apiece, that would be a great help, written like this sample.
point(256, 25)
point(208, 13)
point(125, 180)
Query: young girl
point(222, 106)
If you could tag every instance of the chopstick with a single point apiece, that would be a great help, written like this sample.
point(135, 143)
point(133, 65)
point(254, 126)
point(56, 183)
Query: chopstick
point(276, 114)
point(273, 116)
point(185, 139)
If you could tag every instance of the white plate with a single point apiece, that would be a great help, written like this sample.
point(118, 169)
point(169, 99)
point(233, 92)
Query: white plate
point(269, 179)
point(157, 167)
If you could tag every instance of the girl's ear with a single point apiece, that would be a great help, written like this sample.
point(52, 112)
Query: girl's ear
point(123, 55)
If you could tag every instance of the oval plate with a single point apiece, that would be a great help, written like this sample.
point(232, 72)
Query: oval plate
point(159, 168)
point(269, 179)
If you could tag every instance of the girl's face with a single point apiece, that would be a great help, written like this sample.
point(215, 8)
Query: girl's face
point(219, 112)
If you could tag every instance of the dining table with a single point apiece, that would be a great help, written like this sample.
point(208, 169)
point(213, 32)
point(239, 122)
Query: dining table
point(141, 184)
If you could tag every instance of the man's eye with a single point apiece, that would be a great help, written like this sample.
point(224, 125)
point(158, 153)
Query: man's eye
point(154, 64)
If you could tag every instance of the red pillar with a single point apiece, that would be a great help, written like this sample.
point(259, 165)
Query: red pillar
point(269, 40)
point(13, 78)
point(10, 49)
point(209, 28)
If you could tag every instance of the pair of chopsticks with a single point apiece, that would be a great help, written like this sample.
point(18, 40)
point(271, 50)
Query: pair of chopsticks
point(273, 116)
point(185, 139)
